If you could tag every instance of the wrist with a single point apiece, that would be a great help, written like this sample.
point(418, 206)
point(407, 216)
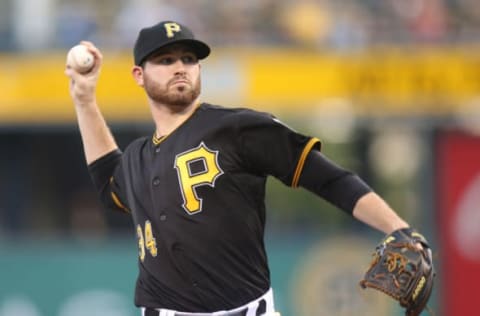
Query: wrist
point(85, 103)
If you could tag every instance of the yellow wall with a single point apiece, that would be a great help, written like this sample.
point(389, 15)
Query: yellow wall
point(382, 81)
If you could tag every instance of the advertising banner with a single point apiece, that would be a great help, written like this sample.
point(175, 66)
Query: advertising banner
point(458, 197)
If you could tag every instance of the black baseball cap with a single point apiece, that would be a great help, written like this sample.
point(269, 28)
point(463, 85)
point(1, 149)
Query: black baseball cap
point(152, 38)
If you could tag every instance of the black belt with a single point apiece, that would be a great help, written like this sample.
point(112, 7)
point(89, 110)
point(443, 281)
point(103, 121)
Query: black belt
point(261, 310)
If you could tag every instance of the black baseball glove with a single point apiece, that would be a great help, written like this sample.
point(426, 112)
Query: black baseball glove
point(403, 270)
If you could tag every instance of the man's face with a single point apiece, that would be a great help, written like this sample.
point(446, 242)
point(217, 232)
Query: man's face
point(171, 76)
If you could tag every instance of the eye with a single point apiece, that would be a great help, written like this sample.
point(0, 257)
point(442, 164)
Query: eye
point(166, 60)
point(189, 59)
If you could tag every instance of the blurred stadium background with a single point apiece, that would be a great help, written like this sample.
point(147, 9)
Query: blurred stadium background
point(392, 88)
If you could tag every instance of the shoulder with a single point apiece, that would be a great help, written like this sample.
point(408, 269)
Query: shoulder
point(236, 115)
point(137, 145)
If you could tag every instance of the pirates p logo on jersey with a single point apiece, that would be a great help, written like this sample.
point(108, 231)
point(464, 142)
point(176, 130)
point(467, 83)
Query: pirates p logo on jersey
point(206, 172)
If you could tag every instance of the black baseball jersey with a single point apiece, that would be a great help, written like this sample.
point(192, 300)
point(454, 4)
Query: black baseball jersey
point(197, 201)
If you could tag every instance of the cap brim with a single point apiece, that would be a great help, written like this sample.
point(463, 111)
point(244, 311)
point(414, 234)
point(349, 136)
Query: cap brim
point(200, 49)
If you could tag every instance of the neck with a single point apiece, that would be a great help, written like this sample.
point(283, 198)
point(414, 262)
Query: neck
point(167, 117)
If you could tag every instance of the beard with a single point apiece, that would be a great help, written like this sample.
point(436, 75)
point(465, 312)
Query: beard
point(177, 96)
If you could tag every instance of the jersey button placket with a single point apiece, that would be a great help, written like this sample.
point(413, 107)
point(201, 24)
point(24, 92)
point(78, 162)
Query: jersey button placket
point(156, 183)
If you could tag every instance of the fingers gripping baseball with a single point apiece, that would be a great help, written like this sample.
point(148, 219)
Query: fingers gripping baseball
point(83, 80)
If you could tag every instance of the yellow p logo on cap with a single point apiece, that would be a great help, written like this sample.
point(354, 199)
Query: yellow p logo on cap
point(171, 29)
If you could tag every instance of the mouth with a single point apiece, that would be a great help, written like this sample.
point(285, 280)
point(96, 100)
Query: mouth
point(179, 81)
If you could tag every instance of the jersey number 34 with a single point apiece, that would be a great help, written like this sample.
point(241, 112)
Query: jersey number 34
point(146, 243)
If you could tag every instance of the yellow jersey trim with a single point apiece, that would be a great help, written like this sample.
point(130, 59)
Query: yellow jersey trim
point(117, 201)
point(301, 161)
point(157, 140)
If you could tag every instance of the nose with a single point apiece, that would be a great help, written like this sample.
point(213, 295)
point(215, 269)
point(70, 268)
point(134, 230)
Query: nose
point(179, 66)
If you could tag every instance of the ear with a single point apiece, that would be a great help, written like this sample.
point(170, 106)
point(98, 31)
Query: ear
point(137, 73)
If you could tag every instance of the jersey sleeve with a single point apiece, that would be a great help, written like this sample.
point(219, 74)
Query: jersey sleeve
point(271, 147)
point(107, 179)
point(339, 186)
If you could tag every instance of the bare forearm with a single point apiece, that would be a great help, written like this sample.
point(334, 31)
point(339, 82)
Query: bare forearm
point(96, 136)
point(375, 212)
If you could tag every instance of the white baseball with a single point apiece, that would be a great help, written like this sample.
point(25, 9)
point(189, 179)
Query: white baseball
point(80, 59)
